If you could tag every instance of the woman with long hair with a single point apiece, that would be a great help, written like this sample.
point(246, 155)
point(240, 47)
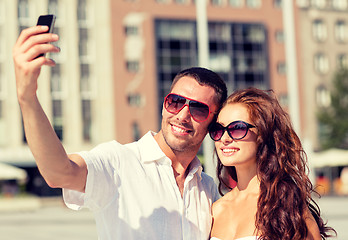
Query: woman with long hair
point(258, 148)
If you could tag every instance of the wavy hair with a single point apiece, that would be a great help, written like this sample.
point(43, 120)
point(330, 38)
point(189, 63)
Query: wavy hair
point(285, 189)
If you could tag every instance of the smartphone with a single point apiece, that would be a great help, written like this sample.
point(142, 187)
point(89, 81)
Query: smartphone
point(46, 20)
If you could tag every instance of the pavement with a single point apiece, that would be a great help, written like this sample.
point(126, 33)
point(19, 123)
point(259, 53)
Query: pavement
point(47, 218)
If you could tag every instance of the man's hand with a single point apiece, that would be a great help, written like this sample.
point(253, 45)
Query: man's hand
point(31, 43)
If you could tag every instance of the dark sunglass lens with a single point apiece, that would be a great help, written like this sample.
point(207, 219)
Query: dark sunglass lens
point(238, 130)
point(216, 132)
point(174, 103)
point(199, 111)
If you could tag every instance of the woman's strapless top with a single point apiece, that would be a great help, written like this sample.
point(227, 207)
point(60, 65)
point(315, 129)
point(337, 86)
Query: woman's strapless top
point(243, 238)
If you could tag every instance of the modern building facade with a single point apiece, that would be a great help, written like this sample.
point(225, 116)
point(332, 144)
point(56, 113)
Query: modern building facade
point(76, 94)
point(153, 40)
point(118, 59)
point(324, 44)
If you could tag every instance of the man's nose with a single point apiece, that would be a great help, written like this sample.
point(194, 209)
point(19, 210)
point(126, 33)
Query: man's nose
point(184, 113)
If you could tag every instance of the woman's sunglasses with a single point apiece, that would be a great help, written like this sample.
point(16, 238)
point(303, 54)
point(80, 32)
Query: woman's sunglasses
point(174, 103)
point(236, 130)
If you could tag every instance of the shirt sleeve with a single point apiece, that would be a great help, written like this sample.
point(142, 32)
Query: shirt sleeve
point(102, 178)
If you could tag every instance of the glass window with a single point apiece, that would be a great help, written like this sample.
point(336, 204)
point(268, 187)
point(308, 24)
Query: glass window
point(82, 10)
point(85, 85)
point(133, 66)
point(321, 63)
point(86, 119)
point(56, 83)
point(278, 3)
point(342, 61)
point(319, 3)
point(83, 42)
point(216, 2)
point(279, 35)
point(53, 7)
point(23, 9)
point(136, 131)
point(281, 68)
point(322, 96)
point(319, 30)
point(57, 111)
point(302, 3)
point(236, 3)
point(340, 4)
point(253, 3)
point(341, 31)
point(131, 30)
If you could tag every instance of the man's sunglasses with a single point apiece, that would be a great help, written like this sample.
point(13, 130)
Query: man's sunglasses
point(174, 103)
point(236, 130)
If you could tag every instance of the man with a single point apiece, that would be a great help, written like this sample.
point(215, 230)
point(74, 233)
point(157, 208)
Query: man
point(150, 189)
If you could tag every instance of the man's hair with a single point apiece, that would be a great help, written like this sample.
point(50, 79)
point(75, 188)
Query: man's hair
point(205, 77)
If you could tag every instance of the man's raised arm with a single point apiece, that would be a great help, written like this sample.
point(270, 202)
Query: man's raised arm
point(57, 168)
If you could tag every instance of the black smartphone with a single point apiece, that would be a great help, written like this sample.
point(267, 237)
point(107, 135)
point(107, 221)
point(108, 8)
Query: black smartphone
point(46, 20)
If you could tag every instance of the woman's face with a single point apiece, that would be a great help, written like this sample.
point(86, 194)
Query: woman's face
point(236, 152)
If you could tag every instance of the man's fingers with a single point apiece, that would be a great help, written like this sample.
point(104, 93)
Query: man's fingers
point(28, 32)
point(36, 40)
point(35, 51)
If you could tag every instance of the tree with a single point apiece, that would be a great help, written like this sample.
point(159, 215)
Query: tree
point(334, 118)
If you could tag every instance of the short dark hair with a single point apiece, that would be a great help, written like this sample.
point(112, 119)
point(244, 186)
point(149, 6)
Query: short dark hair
point(205, 77)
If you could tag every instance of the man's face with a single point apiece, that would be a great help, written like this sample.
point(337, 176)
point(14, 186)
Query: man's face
point(180, 131)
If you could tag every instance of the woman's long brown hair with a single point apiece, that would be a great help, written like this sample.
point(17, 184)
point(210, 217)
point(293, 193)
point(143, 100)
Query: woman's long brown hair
point(285, 189)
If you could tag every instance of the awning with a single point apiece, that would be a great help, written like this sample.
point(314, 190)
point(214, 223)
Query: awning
point(8, 172)
point(329, 158)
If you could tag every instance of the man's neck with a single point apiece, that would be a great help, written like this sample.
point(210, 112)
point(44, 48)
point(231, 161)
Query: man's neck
point(180, 160)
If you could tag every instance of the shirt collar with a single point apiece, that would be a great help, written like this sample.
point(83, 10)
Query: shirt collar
point(151, 152)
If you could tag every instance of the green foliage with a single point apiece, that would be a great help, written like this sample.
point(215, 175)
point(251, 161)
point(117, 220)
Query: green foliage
point(334, 119)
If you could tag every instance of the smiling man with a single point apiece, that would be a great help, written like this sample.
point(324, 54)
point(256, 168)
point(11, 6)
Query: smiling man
point(150, 189)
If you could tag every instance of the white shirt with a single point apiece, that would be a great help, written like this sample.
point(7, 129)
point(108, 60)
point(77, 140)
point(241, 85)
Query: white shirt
point(133, 193)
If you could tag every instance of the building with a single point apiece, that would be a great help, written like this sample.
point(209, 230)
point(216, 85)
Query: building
point(77, 94)
point(118, 59)
point(153, 40)
point(324, 39)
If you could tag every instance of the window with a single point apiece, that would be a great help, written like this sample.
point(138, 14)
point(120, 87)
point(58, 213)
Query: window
point(82, 10)
point(321, 63)
point(340, 4)
point(136, 131)
point(281, 68)
point(133, 66)
point(236, 3)
point(181, 1)
point(253, 3)
point(322, 96)
point(135, 100)
point(217, 2)
point(319, 3)
point(86, 119)
point(23, 9)
point(342, 61)
point(83, 43)
point(302, 3)
point(341, 31)
point(319, 30)
point(279, 35)
point(131, 30)
point(278, 3)
point(53, 7)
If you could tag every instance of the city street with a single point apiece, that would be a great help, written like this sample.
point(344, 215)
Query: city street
point(54, 221)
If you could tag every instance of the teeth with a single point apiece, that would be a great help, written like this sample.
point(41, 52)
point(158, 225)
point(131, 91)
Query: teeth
point(228, 150)
point(179, 129)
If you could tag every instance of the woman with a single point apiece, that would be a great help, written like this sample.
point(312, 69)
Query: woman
point(258, 148)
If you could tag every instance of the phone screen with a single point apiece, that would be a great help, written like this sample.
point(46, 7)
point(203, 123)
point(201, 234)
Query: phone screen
point(46, 20)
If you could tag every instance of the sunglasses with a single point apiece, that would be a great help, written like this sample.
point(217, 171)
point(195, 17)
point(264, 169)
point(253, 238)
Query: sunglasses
point(174, 103)
point(236, 130)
